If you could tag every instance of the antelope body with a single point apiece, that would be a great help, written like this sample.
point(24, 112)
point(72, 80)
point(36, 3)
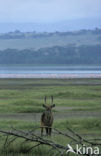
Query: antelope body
point(47, 118)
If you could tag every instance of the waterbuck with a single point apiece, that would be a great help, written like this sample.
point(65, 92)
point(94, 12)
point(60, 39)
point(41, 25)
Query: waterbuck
point(47, 118)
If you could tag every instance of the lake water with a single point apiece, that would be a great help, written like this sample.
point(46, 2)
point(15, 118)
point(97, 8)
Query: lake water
point(9, 71)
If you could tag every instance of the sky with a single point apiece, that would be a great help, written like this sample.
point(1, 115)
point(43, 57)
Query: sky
point(46, 11)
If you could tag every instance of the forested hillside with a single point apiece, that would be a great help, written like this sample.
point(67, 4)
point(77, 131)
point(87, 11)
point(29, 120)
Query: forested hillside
point(80, 47)
point(85, 54)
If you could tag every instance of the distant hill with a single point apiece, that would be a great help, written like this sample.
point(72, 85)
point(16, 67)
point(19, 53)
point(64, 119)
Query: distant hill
point(71, 54)
point(78, 47)
point(33, 40)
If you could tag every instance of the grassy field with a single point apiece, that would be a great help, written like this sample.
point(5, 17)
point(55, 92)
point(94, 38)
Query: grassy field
point(78, 105)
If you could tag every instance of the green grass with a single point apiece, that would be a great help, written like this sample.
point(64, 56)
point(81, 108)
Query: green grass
point(78, 125)
point(24, 97)
point(28, 95)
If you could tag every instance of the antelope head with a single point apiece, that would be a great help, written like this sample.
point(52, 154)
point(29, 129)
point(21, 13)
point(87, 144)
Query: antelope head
point(48, 107)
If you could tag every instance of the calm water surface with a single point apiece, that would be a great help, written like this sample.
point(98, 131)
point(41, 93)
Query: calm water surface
point(80, 71)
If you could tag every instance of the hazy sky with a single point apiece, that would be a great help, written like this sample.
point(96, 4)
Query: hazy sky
point(48, 10)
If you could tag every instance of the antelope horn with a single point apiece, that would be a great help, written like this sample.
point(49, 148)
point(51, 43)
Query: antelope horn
point(45, 99)
point(52, 99)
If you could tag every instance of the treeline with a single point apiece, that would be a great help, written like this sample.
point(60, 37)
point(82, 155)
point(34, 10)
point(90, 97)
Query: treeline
point(71, 54)
point(21, 35)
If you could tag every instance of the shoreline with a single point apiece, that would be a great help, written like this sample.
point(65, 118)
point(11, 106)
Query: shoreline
point(50, 76)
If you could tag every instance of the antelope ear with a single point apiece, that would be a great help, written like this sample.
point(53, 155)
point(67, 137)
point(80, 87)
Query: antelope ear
point(44, 105)
point(53, 106)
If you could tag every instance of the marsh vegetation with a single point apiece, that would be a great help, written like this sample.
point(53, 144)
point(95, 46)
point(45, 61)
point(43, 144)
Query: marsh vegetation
point(78, 105)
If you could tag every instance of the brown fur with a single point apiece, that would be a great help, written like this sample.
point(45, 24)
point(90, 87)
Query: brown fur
point(47, 119)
